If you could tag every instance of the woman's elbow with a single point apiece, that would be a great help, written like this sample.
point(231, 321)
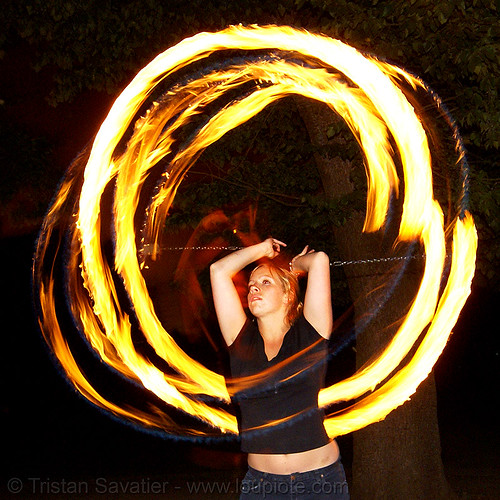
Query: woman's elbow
point(217, 270)
point(321, 259)
point(214, 269)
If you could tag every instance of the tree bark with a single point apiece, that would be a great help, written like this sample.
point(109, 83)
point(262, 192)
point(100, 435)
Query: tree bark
point(400, 457)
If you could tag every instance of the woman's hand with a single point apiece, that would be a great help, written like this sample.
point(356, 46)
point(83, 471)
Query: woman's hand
point(272, 247)
point(295, 266)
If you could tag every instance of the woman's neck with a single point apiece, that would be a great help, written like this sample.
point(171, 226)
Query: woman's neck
point(272, 328)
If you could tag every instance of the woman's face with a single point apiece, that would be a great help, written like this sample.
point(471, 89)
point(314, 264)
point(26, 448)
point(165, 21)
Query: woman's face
point(265, 293)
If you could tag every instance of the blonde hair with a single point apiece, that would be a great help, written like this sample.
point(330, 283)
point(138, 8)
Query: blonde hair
point(290, 285)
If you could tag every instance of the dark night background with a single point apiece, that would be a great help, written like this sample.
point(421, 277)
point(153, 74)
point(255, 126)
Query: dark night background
point(49, 432)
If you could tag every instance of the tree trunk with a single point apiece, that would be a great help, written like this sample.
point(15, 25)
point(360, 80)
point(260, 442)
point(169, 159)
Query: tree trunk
point(400, 457)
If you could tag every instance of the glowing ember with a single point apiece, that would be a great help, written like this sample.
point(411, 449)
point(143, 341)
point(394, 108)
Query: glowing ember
point(366, 94)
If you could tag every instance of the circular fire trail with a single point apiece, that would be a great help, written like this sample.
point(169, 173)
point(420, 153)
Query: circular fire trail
point(129, 148)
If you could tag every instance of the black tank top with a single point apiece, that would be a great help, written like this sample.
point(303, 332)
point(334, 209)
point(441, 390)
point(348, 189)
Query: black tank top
point(287, 392)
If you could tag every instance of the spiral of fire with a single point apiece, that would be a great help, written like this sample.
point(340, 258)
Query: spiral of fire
point(366, 93)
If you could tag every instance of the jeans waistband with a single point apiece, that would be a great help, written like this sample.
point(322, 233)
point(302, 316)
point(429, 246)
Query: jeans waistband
point(298, 476)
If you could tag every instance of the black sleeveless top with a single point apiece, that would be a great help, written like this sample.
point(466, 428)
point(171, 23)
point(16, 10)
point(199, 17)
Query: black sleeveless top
point(286, 389)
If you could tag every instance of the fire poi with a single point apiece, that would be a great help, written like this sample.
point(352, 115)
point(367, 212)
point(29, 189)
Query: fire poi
point(278, 61)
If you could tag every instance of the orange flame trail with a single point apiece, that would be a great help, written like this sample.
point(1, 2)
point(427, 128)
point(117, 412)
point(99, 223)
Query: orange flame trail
point(367, 95)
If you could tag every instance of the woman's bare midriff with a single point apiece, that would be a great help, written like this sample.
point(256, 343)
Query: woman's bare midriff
point(295, 462)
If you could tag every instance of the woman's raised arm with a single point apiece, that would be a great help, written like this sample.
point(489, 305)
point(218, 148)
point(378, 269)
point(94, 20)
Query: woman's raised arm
point(228, 307)
point(317, 300)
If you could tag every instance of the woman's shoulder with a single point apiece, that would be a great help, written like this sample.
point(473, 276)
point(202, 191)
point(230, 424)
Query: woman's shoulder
point(246, 332)
point(304, 328)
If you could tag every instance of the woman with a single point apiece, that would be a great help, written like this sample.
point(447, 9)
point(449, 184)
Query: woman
point(294, 459)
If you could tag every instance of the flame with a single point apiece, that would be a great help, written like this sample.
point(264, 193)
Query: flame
point(402, 385)
point(367, 95)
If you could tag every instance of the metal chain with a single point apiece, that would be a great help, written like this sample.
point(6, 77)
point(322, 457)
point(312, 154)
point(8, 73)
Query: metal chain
point(337, 263)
